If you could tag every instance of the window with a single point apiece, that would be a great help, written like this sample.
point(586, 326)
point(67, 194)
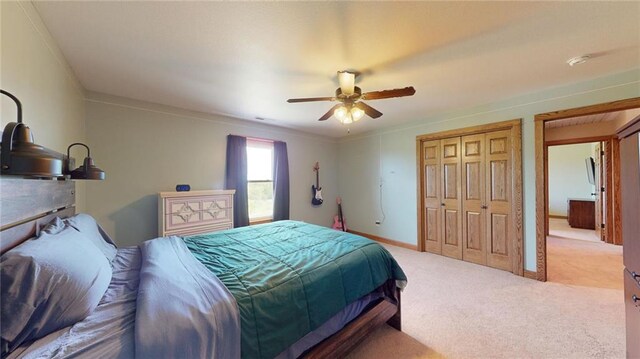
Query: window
point(260, 179)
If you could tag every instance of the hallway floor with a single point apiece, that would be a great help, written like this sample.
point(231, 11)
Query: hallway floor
point(584, 261)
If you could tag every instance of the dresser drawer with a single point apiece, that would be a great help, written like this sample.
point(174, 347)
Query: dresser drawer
point(196, 212)
point(188, 212)
point(200, 230)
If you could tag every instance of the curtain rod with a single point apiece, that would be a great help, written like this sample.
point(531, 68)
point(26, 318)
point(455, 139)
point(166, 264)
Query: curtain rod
point(257, 138)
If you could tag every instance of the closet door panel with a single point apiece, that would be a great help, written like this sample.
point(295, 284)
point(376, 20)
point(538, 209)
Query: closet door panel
point(474, 238)
point(499, 180)
point(451, 180)
point(499, 233)
point(499, 226)
point(433, 211)
point(451, 227)
point(451, 200)
point(473, 196)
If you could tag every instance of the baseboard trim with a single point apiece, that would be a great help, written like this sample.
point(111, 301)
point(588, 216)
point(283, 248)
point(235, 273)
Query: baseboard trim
point(558, 217)
point(385, 240)
point(530, 274)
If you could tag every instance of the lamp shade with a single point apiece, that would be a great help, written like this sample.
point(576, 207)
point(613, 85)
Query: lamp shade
point(21, 156)
point(88, 171)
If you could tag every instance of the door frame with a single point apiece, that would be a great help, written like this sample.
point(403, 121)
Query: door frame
point(515, 126)
point(541, 158)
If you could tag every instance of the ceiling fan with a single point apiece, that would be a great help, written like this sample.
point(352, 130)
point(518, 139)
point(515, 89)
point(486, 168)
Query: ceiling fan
point(351, 108)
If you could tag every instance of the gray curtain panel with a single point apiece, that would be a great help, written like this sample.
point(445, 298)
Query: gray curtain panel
point(236, 178)
point(280, 181)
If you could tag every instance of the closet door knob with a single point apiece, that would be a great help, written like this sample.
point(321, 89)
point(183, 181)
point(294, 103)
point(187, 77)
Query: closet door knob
point(484, 206)
point(442, 204)
point(635, 298)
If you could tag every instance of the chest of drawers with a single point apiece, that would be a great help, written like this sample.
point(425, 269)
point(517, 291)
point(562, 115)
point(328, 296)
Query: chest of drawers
point(194, 212)
point(581, 213)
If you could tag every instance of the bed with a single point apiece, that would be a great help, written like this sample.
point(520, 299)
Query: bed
point(285, 290)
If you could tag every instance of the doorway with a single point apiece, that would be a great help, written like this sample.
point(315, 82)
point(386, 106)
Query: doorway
point(596, 123)
point(580, 250)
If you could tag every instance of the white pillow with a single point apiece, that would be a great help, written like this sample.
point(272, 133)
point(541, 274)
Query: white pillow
point(49, 283)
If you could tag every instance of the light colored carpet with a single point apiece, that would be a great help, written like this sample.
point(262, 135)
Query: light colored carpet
point(559, 227)
point(455, 309)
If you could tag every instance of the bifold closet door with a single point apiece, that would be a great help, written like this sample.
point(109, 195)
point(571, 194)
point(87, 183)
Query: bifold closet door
point(499, 221)
point(451, 197)
point(473, 199)
point(432, 211)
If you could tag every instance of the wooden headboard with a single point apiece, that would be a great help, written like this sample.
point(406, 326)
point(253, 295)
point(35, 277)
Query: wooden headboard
point(26, 204)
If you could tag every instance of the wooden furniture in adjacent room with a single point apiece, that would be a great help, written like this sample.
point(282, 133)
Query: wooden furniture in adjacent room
point(581, 213)
point(470, 194)
point(194, 212)
point(630, 186)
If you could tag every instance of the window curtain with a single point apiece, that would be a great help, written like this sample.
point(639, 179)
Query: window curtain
point(280, 181)
point(236, 178)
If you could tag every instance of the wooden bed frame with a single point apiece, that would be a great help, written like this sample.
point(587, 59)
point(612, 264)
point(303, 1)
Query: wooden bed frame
point(27, 204)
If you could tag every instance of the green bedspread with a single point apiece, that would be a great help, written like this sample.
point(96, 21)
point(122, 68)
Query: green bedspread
point(289, 277)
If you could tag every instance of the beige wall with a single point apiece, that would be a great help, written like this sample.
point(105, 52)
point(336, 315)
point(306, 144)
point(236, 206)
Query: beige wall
point(34, 70)
point(147, 148)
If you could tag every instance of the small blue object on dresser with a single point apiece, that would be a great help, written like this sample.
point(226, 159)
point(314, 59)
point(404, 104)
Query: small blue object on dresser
point(183, 188)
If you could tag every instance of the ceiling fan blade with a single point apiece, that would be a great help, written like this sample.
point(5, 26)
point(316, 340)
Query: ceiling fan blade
point(329, 113)
point(377, 95)
point(310, 99)
point(370, 111)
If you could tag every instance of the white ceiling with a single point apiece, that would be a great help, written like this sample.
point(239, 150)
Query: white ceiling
point(245, 59)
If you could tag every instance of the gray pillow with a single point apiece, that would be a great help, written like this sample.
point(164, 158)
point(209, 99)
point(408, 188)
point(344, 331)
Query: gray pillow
point(88, 227)
point(49, 283)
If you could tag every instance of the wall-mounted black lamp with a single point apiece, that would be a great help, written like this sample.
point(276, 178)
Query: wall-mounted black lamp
point(21, 156)
point(88, 171)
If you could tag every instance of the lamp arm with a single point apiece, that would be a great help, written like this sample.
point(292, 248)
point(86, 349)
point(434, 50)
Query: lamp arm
point(78, 144)
point(18, 104)
point(7, 135)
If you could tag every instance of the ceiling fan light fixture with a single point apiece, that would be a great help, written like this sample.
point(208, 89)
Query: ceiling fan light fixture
point(347, 82)
point(341, 113)
point(347, 120)
point(356, 114)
